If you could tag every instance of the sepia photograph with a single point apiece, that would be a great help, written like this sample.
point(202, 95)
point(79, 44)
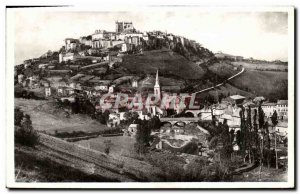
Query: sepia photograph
point(150, 97)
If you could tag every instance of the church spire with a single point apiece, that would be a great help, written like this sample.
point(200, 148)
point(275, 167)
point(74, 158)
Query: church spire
point(157, 87)
point(156, 80)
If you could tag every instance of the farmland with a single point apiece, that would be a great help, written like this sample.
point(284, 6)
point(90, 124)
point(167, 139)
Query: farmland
point(262, 66)
point(47, 117)
point(120, 145)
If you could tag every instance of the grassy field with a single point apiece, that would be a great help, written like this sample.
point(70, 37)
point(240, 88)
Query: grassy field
point(262, 66)
point(47, 117)
point(265, 83)
point(38, 168)
point(166, 61)
point(267, 175)
point(120, 145)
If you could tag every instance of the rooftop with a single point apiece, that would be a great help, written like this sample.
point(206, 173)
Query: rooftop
point(268, 104)
point(282, 102)
point(237, 97)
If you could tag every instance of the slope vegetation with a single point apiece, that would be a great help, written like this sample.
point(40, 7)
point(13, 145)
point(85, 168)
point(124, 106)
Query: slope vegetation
point(168, 62)
point(271, 84)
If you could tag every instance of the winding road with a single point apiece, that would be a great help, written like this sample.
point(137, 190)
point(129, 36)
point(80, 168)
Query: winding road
point(220, 84)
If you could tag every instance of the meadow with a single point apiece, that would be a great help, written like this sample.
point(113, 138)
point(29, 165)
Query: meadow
point(47, 117)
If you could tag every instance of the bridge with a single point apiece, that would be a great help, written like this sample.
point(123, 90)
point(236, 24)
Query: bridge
point(193, 113)
point(179, 120)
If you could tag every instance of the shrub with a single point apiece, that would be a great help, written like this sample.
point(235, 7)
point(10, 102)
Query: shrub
point(24, 133)
point(169, 163)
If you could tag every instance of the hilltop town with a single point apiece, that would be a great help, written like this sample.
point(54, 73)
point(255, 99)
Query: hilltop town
point(93, 93)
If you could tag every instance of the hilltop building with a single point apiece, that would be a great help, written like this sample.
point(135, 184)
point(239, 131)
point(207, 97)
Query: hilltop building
point(124, 27)
point(71, 44)
point(100, 35)
point(68, 57)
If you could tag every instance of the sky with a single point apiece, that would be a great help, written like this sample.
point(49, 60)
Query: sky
point(261, 35)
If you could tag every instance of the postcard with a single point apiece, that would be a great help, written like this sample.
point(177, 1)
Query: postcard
point(150, 97)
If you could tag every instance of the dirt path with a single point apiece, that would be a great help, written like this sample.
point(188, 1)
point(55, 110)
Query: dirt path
point(220, 84)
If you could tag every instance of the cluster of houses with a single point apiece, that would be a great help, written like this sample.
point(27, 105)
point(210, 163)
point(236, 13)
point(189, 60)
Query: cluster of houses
point(229, 109)
point(125, 37)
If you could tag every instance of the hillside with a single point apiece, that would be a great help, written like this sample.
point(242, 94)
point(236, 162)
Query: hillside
point(47, 117)
point(168, 62)
point(271, 84)
point(259, 79)
point(86, 163)
point(39, 168)
point(223, 69)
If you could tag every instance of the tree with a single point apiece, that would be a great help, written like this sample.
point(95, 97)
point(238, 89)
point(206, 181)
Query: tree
point(106, 115)
point(76, 106)
point(155, 123)
point(100, 117)
point(88, 108)
point(267, 143)
point(18, 116)
point(243, 132)
point(107, 146)
point(225, 138)
point(141, 141)
point(135, 116)
point(255, 129)
point(25, 134)
point(261, 117)
point(127, 115)
point(275, 122)
point(249, 133)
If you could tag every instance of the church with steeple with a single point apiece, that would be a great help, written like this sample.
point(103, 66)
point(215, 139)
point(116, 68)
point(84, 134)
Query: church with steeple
point(157, 91)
